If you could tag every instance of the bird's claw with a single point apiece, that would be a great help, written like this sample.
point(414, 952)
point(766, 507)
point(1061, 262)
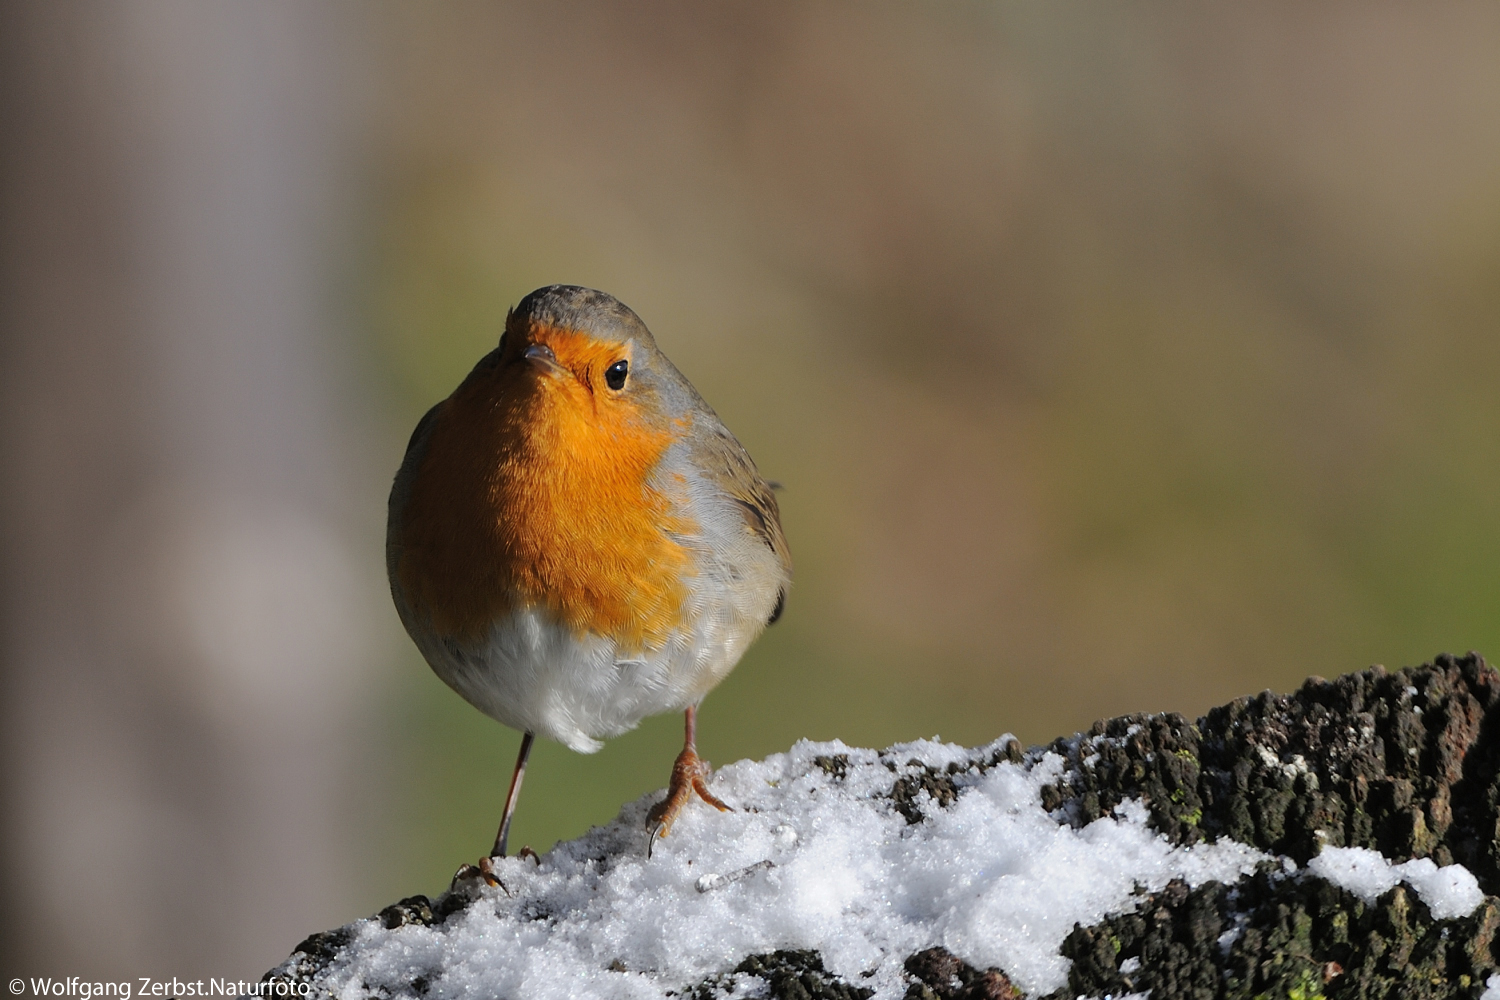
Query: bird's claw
point(484, 870)
point(651, 839)
point(690, 775)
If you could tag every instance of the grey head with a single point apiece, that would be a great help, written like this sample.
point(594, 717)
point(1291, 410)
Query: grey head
point(573, 307)
point(602, 316)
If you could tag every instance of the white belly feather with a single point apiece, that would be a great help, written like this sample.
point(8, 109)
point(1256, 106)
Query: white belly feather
point(536, 675)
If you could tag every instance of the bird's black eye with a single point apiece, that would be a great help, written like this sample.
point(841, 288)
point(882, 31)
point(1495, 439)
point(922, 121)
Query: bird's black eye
point(614, 375)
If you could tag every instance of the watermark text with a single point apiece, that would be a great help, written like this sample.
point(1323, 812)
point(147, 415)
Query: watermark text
point(145, 986)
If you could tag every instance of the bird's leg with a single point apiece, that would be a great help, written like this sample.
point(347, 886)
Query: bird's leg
point(512, 795)
point(689, 775)
point(486, 868)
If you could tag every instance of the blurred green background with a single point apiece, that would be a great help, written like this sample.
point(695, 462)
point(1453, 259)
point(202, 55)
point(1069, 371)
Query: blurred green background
point(1114, 358)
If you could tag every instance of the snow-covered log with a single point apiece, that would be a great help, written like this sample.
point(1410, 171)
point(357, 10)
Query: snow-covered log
point(1343, 841)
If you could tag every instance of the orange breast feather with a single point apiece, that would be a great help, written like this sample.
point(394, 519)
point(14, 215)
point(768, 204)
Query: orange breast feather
point(532, 493)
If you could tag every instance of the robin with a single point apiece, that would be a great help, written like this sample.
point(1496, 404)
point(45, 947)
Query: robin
point(576, 541)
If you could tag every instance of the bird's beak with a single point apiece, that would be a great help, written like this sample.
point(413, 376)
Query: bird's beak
point(541, 355)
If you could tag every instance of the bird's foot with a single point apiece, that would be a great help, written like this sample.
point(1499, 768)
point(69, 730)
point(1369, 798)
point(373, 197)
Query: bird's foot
point(485, 871)
point(689, 774)
point(473, 874)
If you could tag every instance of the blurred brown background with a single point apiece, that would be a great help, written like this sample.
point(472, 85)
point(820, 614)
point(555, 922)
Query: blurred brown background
point(1113, 359)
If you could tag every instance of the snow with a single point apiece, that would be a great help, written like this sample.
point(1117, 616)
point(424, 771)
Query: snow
point(813, 861)
point(1491, 988)
point(1450, 891)
point(807, 861)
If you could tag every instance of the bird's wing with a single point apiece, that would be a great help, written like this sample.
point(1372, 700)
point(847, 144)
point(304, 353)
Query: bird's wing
point(725, 460)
